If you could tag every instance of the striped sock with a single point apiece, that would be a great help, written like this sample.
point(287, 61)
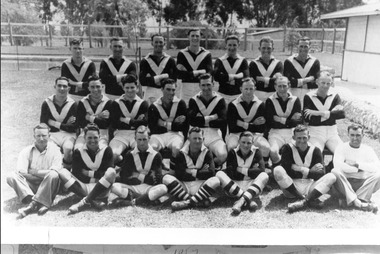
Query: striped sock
point(251, 192)
point(176, 189)
point(233, 189)
point(202, 194)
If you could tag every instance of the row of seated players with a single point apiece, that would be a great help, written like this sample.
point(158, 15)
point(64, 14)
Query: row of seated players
point(169, 118)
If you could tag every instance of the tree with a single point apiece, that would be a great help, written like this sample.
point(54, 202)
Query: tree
point(218, 12)
point(182, 10)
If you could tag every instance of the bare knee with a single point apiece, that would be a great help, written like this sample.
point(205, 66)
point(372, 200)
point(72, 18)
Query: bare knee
point(213, 182)
point(264, 177)
point(168, 179)
point(110, 175)
point(330, 178)
point(279, 173)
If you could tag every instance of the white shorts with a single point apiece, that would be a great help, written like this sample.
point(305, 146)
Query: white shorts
point(138, 190)
point(188, 90)
point(167, 139)
point(322, 134)
point(192, 187)
point(302, 185)
point(60, 137)
point(232, 139)
point(263, 95)
point(228, 98)
point(151, 94)
point(127, 137)
point(211, 135)
point(103, 135)
point(280, 137)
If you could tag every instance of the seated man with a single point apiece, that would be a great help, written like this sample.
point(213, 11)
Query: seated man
point(283, 112)
point(357, 171)
point(244, 177)
point(247, 113)
point(167, 119)
point(94, 108)
point(301, 174)
point(194, 181)
point(207, 110)
point(230, 69)
point(139, 174)
point(128, 113)
point(321, 110)
point(93, 173)
point(36, 181)
point(77, 69)
point(58, 112)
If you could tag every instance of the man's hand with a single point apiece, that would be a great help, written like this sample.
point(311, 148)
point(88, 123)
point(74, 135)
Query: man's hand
point(352, 163)
point(307, 80)
point(317, 168)
point(140, 117)
point(310, 112)
point(85, 172)
point(88, 117)
point(33, 171)
point(180, 119)
point(180, 67)
point(204, 169)
point(277, 119)
point(297, 116)
point(199, 115)
point(104, 114)
point(259, 121)
point(338, 107)
point(71, 120)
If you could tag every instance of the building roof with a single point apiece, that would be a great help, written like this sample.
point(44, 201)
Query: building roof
point(363, 10)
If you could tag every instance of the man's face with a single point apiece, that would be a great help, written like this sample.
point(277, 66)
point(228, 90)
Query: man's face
point(92, 140)
point(61, 88)
point(196, 140)
point(282, 87)
point(95, 88)
point(41, 137)
point(266, 49)
point(206, 86)
point(303, 48)
point(158, 44)
point(301, 139)
point(142, 140)
point(195, 38)
point(356, 137)
point(248, 90)
point(77, 50)
point(324, 83)
point(232, 46)
point(168, 92)
point(130, 90)
point(117, 49)
point(245, 144)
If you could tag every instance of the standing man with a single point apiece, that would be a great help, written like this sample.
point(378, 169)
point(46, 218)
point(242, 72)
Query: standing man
point(283, 112)
point(116, 66)
point(154, 68)
point(191, 63)
point(167, 119)
point(36, 181)
point(93, 173)
point(78, 69)
point(230, 69)
point(207, 110)
point(302, 69)
point(357, 169)
point(264, 68)
point(321, 109)
point(244, 177)
point(58, 112)
point(194, 181)
point(128, 112)
point(94, 108)
point(301, 174)
point(247, 113)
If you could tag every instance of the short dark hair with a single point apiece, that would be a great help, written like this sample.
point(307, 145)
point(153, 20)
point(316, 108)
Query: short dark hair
point(91, 127)
point(156, 35)
point(166, 81)
point(300, 128)
point(129, 79)
point(304, 38)
point(266, 39)
point(61, 78)
point(205, 76)
point(142, 129)
point(194, 30)
point(76, 41)
point(196, 130)
point(354, 127)
point(41, 126)
point(93, 77)
point(115, 39)
point(248, 79)
point(246, 134)
point(232, 37)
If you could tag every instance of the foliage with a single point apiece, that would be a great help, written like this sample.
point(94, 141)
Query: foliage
point(218, 11)
point(182, 10)
point(182, 33)
point(292, 36)
point(47, 9)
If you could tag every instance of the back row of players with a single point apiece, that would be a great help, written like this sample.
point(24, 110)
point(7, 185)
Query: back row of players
point(242, 123)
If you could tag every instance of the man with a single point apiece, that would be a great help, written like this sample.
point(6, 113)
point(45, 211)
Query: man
point(321, 110)
point(244, 177)
point(167, 119)
point(301, 69)
point(36, 181)
point(247, 113)
point(230, 69)
point(94, 108)
point(301, 174)
point(128, 112)
point(264, 68)
point(92, 174)
point(207, 110)
point(58, 112)
point(357, 169)
point(116, 66)
point(78, 69)
point(194, 181)
point(191, 63)
point(139, 174)
point(283, 112)
point(154, 68)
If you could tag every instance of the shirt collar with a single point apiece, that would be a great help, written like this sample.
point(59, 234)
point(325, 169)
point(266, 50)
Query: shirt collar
point(240, 99)
point(136, 150)
point(68, 99)
point(314, 93)
point(104, 98)
point(175, 99)
point(186, 148)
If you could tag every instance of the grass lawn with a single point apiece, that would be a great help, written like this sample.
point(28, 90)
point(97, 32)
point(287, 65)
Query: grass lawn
point(21, 97)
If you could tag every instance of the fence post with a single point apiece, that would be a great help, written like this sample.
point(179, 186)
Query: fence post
point(245, 38)
point(89, 34)
point(10, 33)
point(333, 46)
point(167, 38)
point(323, 38)
point(284, 40)
point(51, 35)
point(206, 35)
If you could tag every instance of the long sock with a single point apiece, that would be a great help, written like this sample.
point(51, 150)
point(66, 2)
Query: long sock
point(202, 194)
point(251, 192)
point(293, 190)
point(77, 189)
point(96, 191)
point(266, 161)
point(142, 199)
point(314, 194)
point(233, 189)
point(176, 189)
